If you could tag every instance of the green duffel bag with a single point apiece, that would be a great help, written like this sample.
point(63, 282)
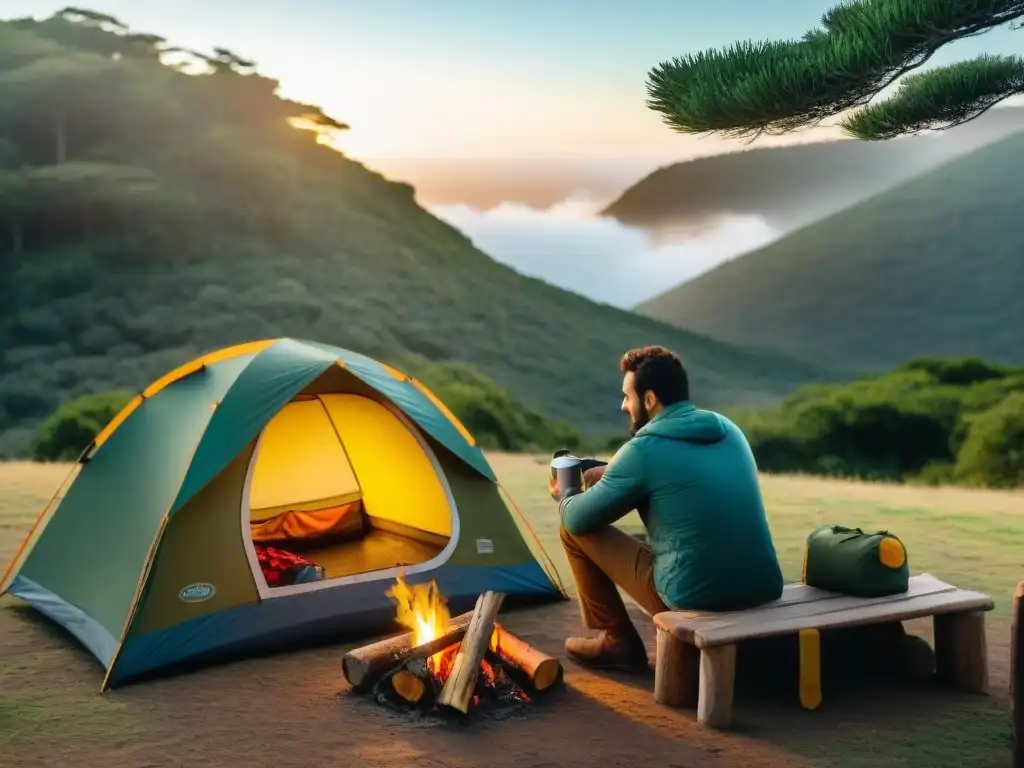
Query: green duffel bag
point(856, 563)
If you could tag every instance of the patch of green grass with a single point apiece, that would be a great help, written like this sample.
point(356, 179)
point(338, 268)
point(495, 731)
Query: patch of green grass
point(974, 735)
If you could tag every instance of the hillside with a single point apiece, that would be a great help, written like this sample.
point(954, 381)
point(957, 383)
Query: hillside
point(795, 185)
point(158, 203)
point(932, 267)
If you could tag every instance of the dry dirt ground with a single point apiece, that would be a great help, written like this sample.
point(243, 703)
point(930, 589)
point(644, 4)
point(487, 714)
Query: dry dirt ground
point(293, 709)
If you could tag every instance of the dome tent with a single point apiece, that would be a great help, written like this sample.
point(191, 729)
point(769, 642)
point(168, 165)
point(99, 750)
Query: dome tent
point(148, 554)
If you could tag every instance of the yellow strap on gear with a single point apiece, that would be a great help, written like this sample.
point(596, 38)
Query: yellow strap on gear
point(810, 668)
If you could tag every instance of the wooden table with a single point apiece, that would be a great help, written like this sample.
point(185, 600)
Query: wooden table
point(1017, 678)
point(696, 656)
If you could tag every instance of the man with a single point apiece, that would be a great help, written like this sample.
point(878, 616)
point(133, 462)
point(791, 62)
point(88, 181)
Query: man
point(692, 477)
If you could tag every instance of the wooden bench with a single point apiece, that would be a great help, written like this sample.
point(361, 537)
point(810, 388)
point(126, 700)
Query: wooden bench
point(696, 656)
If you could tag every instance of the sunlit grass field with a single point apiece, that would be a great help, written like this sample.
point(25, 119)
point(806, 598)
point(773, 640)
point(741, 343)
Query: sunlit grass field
point(974, 539)
point(971, 538)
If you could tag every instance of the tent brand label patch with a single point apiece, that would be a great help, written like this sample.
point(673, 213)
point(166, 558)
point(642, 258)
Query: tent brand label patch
point(484, 547)
point(196, 593)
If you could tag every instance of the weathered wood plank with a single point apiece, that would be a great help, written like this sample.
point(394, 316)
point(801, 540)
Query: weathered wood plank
point(926, 596)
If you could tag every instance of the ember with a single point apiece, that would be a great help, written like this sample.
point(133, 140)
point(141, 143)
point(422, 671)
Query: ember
point(446, 663)
point(493, 681)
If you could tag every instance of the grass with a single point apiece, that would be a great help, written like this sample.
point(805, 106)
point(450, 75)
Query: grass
point(972, 538)
point(968, 537)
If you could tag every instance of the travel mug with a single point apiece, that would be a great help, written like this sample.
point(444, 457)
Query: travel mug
point(567, 470)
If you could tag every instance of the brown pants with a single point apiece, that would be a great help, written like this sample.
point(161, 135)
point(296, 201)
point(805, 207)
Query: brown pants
point(602, 561)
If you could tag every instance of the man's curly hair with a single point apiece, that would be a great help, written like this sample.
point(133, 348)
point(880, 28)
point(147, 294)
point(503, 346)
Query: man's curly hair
point(658, 370)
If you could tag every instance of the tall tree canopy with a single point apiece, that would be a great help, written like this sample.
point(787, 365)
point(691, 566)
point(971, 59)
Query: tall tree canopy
point(102, 128)
point(862, 47)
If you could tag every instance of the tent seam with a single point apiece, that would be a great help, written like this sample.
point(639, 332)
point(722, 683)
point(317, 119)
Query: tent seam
point(557, 580)
point(216, 405)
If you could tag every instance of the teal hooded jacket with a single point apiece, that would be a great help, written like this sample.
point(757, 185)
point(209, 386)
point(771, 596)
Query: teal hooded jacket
point(691, 475)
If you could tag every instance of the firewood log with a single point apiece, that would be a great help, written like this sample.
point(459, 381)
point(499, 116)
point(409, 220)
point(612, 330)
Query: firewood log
point(542, 671)
point(362, 667)
point(457, 692)
point(413, 682)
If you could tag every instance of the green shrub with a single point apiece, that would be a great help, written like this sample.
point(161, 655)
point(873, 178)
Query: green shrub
point(495, 419)
point(993, 452)
point(66, 432)
point(929, 421)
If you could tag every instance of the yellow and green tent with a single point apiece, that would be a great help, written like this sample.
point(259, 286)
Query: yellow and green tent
point(148, 552)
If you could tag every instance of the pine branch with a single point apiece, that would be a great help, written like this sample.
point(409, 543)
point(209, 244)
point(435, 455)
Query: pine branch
point(941, 98)
point(862, 47)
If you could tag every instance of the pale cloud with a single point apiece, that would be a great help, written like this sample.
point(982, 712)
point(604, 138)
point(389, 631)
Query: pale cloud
point(568, 246)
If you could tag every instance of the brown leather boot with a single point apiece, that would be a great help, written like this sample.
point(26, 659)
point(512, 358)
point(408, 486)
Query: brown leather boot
point(609, 650)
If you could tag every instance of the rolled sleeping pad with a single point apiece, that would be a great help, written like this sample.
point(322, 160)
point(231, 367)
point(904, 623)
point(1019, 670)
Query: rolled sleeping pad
point(853, 562)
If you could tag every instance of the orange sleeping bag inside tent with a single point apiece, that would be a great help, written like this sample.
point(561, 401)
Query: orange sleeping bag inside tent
point(299, 525)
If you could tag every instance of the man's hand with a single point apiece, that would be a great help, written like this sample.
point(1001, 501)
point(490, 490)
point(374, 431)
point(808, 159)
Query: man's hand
point(590, 478)
point(593, 475)
point(553, 487)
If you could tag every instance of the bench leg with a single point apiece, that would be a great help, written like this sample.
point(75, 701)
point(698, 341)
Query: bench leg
point(676, 672)
point(717, 682)
point(961, 653)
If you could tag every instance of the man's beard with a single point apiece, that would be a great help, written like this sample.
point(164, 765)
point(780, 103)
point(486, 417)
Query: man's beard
point(635, 425)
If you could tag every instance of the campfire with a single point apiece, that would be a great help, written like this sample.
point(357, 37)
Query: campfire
point(449, 664)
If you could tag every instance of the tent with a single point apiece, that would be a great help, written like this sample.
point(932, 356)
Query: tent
point(149, 554)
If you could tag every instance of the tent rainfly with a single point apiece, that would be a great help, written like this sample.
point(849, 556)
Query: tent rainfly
point(266, 495)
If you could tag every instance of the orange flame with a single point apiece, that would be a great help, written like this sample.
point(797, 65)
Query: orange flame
point(421, 608)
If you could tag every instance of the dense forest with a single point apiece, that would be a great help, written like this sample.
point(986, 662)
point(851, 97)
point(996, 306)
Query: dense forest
point(931, 267)
point(157, 203)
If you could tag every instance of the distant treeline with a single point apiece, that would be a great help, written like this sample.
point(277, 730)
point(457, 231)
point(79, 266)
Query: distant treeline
point(495, 419)
point(930, 420)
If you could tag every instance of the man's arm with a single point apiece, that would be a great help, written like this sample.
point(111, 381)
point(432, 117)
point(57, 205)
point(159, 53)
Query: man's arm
point(616, 494)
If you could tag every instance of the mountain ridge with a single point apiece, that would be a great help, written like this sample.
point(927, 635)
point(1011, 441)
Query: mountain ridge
point(883, 280)
point(791, 186)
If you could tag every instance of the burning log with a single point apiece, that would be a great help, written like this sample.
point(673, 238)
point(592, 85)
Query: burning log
point(457, 692)
point(541, 670)
point(413, 682)
point(363, 667)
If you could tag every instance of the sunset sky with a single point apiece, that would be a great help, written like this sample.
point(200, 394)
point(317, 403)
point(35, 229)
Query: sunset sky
point(481, 78)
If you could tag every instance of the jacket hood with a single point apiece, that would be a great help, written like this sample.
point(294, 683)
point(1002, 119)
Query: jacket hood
point(684, 421)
